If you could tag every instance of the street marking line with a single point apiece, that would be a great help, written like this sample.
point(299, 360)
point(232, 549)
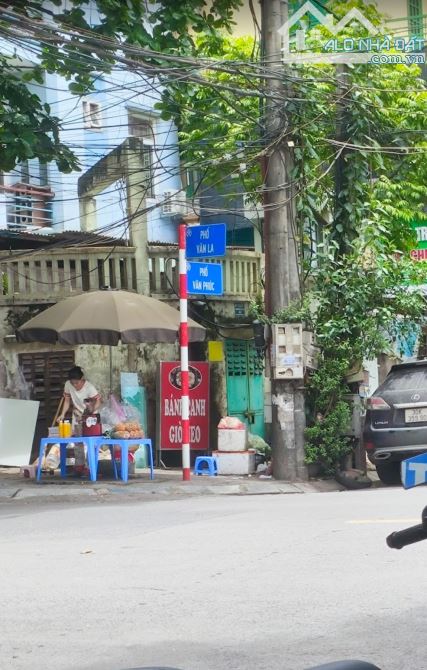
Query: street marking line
point(368, 521)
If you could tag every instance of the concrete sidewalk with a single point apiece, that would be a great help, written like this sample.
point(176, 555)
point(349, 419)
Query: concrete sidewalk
point(167, 484)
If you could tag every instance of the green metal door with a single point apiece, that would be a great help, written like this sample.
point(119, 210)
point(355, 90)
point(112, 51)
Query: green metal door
point(245, 384)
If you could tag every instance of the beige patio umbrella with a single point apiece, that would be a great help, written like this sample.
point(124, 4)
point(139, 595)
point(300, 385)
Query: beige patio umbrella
point(107, 317)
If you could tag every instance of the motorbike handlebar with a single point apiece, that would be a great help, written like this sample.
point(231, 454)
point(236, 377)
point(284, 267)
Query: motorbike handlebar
point(401, 538)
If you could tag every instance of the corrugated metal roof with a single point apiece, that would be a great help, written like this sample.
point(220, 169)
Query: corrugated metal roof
point(12, 239)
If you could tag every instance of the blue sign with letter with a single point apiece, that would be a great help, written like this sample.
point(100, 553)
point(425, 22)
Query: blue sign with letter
point(414, 471)
point(204, 278)
point(206, 241)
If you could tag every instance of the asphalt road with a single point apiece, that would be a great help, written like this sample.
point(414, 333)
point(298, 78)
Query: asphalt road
point(219, 583)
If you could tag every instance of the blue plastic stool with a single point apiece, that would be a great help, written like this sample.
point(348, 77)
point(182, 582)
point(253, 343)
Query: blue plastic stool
point(206, 465)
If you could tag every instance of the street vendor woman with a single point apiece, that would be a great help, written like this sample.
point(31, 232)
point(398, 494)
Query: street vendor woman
point(81, 396)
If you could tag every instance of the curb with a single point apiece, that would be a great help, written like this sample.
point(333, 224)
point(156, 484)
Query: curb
point(14, 494)
point(166, 485)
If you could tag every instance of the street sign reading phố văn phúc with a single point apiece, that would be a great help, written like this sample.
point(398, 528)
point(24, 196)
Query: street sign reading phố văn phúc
point(204, 278)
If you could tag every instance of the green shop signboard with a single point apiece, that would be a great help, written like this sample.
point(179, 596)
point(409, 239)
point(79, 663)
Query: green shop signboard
point(420, 253)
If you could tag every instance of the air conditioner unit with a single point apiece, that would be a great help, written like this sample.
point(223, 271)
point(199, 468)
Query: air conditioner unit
point(173, 203)
point(193, 206)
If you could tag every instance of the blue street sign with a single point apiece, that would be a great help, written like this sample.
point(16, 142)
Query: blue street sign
point(204, 278)
point(414, 471)
point(206, 241)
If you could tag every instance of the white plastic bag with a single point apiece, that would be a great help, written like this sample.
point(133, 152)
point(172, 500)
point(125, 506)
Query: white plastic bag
point(53, 457)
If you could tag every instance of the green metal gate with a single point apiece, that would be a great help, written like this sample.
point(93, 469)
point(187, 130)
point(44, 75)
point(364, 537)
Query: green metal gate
point(245, 384)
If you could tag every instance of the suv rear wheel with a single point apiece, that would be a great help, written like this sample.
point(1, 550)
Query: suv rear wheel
point(389, 473)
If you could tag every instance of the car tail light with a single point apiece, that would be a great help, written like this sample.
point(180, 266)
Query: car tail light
point(375, 402)
point(369, 446)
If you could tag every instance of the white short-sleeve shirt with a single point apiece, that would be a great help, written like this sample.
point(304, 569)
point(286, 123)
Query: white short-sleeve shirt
point(78, 397)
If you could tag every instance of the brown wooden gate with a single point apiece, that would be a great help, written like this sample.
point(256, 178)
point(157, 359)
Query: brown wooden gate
point(46, 372)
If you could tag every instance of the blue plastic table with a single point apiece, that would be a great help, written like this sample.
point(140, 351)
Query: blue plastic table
point(124, 451)
point(89, 442)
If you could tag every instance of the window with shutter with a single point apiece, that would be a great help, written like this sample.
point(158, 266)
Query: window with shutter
point(415, 18)
point(147, 162)
point(92, 115)
point(140, 127)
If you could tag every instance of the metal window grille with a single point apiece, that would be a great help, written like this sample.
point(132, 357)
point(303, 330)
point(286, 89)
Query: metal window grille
point(415, 18)
point(28, 208)
point(22, 213)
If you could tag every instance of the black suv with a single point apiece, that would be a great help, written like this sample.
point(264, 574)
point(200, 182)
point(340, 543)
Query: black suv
point(396, 419)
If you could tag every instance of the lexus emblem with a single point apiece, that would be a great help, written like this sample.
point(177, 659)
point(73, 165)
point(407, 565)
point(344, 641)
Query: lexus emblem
point(416, 396)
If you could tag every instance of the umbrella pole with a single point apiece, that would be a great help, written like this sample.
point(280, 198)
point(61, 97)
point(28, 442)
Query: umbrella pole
point(111, 369)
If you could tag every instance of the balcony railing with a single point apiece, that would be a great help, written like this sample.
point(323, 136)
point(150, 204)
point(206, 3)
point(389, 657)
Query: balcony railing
point(48, 276)
point(28, 206)
point(242, 271)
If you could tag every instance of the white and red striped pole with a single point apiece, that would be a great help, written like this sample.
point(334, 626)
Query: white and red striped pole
point(183, 341)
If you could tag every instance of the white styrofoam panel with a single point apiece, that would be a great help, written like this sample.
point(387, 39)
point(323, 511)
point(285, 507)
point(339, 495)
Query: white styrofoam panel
point(17, 425)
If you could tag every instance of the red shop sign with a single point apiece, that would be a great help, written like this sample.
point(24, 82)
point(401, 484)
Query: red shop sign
point(169, 411)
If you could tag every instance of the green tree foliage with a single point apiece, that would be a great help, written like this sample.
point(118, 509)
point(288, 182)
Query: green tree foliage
point(376, 123)
point(359, 179)
point(27, 127)
point(220, 130)
point(363, 306)
point(359, 137)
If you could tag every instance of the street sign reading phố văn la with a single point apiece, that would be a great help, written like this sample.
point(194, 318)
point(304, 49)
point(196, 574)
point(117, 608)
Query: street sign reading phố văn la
point(206, 241)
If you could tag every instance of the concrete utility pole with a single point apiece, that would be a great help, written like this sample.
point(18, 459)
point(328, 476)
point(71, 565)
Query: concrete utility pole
point(283, 284)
